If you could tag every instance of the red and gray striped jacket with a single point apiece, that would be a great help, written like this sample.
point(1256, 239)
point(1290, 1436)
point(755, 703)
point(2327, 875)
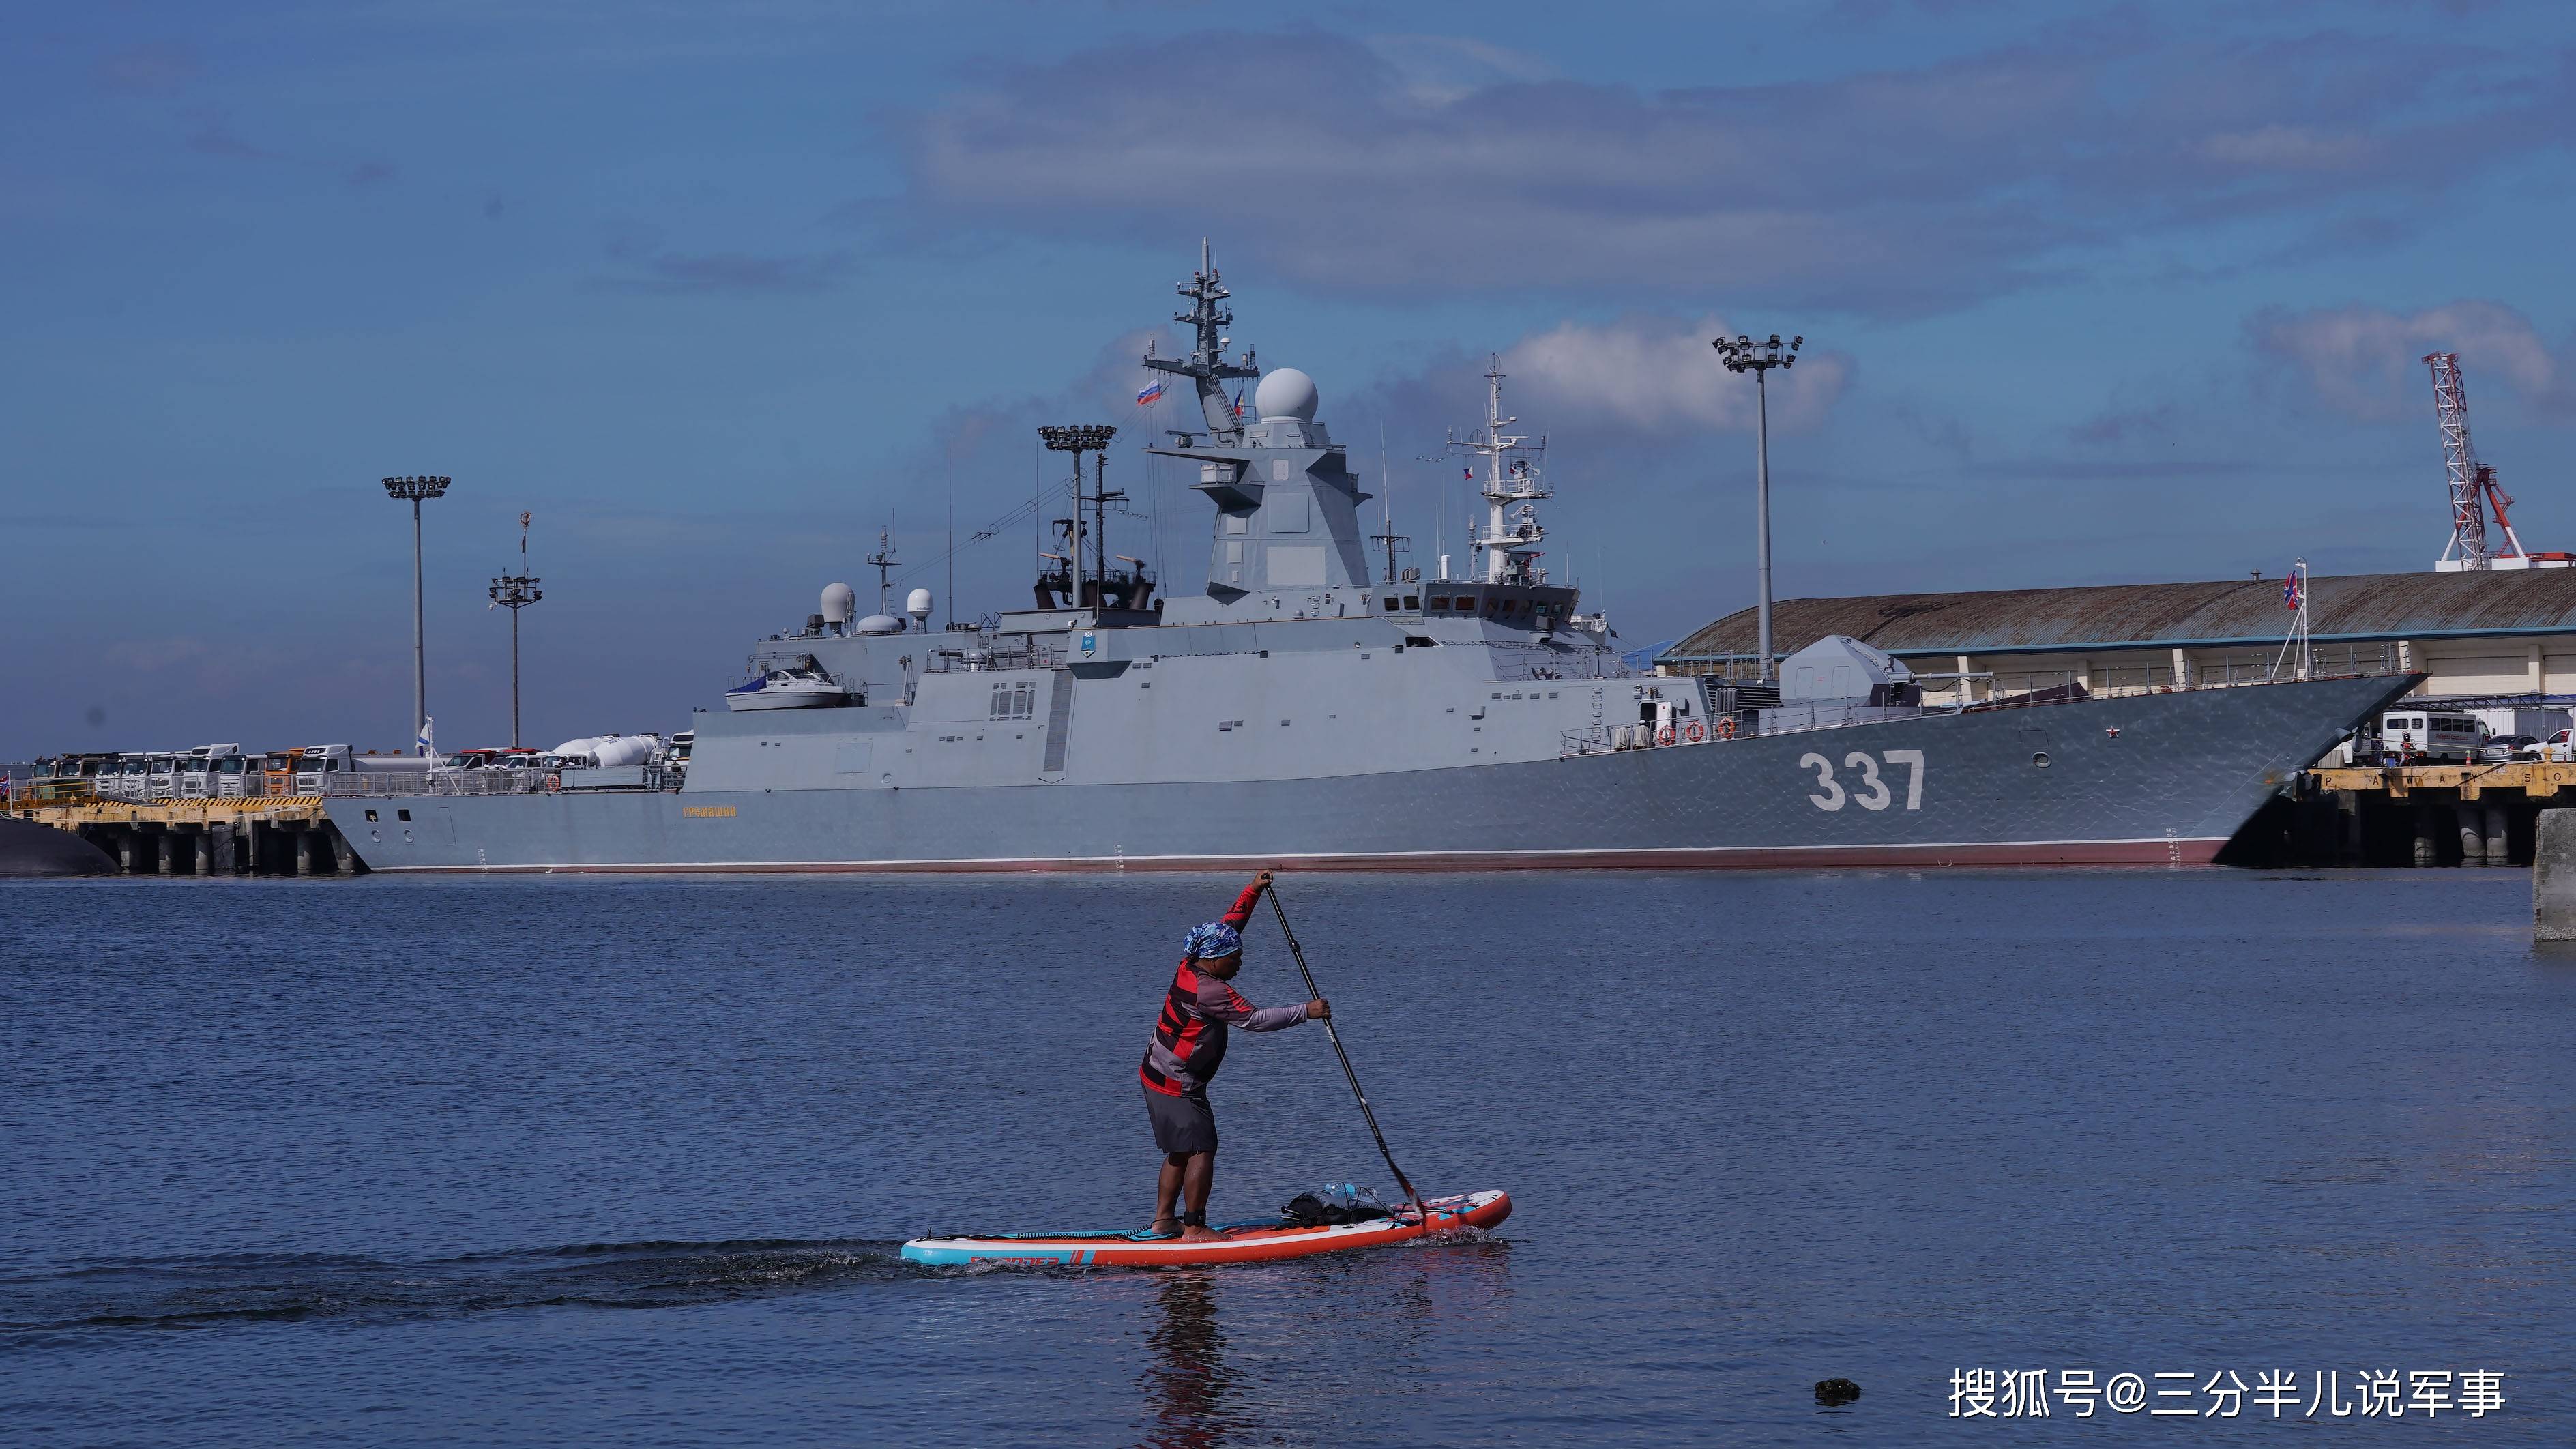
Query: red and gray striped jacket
point(1189, 1037)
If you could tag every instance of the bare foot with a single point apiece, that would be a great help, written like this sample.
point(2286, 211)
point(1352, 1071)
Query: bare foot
point(1160, 1228)
point(1196, 1234)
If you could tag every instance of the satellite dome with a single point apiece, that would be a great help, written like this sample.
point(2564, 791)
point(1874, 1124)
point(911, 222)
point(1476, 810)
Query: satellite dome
point(1286, 394)
point(878, 624)
point(917, 604)
point(839, 602)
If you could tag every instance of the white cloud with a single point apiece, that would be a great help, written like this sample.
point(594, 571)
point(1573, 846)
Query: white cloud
point(2368, 362)
point(1661, 375)
point(1419, 164)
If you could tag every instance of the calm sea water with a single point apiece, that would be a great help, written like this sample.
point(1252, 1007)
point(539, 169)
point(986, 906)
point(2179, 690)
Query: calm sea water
point(627, 1162)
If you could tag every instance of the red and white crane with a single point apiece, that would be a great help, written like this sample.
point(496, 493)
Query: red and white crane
point(2473, 487)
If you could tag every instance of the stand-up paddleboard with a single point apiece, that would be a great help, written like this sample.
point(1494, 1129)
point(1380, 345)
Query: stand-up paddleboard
point(1261, 1242)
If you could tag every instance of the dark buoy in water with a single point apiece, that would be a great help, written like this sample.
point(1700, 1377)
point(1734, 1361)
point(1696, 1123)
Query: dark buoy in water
point(1832, 1392)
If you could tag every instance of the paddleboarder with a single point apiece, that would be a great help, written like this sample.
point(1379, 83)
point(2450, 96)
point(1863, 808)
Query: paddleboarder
point(1188, 1046)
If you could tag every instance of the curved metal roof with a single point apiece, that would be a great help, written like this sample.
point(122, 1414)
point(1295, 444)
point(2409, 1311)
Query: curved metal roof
point(2238, 612)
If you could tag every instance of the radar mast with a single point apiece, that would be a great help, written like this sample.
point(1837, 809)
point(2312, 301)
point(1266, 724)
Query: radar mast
point(1513, 475)
point(1207, 366)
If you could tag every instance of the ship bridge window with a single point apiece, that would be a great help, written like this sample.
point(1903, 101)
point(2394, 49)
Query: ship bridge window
point(1413, 601)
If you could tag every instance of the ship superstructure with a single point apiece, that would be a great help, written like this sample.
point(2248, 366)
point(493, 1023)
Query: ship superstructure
point(1292, 710)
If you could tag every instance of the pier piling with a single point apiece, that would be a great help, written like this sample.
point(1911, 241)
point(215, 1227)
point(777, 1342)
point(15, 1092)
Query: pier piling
point(2553, 877)
point(2428, 845)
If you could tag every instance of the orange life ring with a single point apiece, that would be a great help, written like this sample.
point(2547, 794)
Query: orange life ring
point(1664, 736)
point(1726, 727)
point(554, 783)
point(1696, 732)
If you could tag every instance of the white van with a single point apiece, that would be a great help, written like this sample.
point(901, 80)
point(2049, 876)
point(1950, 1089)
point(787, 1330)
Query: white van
point(2431, 735)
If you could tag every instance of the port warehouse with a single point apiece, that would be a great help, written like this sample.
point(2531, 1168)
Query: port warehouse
point(2492, 641)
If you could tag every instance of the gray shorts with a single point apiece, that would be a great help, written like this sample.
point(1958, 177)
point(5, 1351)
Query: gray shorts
point(1185, 1123)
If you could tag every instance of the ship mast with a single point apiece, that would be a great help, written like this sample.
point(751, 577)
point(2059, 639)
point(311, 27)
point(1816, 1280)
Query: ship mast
point(1207, 366)
point(884, 561)
point(1513, 475)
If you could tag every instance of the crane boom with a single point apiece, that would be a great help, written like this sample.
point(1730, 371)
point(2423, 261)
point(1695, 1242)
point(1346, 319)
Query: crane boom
point(2467, 550)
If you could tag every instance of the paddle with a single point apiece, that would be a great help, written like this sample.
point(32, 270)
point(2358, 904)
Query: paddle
point(1335, 1038)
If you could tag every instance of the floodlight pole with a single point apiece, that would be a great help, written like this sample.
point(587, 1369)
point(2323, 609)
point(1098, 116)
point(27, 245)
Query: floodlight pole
point(416, 489)
point(1078, 439)
point(1743, 354)
point(515, 592)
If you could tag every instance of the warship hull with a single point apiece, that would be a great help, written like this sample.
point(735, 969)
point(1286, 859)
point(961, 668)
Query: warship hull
point(2156, 779)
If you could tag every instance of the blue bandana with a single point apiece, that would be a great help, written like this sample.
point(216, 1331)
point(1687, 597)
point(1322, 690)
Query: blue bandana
point(1208, 942)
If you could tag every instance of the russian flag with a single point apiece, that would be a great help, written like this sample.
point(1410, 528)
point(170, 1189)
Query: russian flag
point(1152, 394)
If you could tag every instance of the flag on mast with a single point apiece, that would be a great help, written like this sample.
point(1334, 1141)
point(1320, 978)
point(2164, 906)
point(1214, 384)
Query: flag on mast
point(1152, 394)
point(428, 728)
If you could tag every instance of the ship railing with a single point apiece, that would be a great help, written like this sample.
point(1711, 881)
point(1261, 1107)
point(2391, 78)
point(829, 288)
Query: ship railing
point(978, 661)
point(2229, 670)
point(1514, 661)
point(1965, 694)
point(412, 784)
point(407, 784)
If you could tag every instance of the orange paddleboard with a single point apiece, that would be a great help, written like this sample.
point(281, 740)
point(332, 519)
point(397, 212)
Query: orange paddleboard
point(1236, 1242)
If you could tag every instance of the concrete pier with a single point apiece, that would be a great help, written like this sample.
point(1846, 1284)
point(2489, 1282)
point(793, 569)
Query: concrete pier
point(269, 835)
point(2406, 815)
point(2553, 877)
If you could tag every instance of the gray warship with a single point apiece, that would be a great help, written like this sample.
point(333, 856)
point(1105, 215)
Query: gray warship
point(1302, 709)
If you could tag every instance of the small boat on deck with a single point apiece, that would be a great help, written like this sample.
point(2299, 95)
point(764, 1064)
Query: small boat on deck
point(797, 688)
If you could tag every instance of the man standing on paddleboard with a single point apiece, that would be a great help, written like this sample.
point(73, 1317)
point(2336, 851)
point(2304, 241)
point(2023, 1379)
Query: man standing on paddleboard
point(1188, 1046)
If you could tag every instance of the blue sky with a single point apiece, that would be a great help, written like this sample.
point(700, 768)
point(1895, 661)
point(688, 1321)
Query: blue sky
point(2092, 294)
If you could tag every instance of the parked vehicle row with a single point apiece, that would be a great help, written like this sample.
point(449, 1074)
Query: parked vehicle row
point(2422, 736)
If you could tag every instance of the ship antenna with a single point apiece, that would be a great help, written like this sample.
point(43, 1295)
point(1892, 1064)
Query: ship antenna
point(1207, 367)
point(884, 560)
point(1387, 538)
point(1506, 548)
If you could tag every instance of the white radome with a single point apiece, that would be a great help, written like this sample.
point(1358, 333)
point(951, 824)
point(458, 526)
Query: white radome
point(917, 604)
point(1286, 394)
point(839, 602)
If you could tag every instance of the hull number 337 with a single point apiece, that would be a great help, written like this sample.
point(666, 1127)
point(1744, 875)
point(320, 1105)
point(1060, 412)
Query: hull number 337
point(1870, 790)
